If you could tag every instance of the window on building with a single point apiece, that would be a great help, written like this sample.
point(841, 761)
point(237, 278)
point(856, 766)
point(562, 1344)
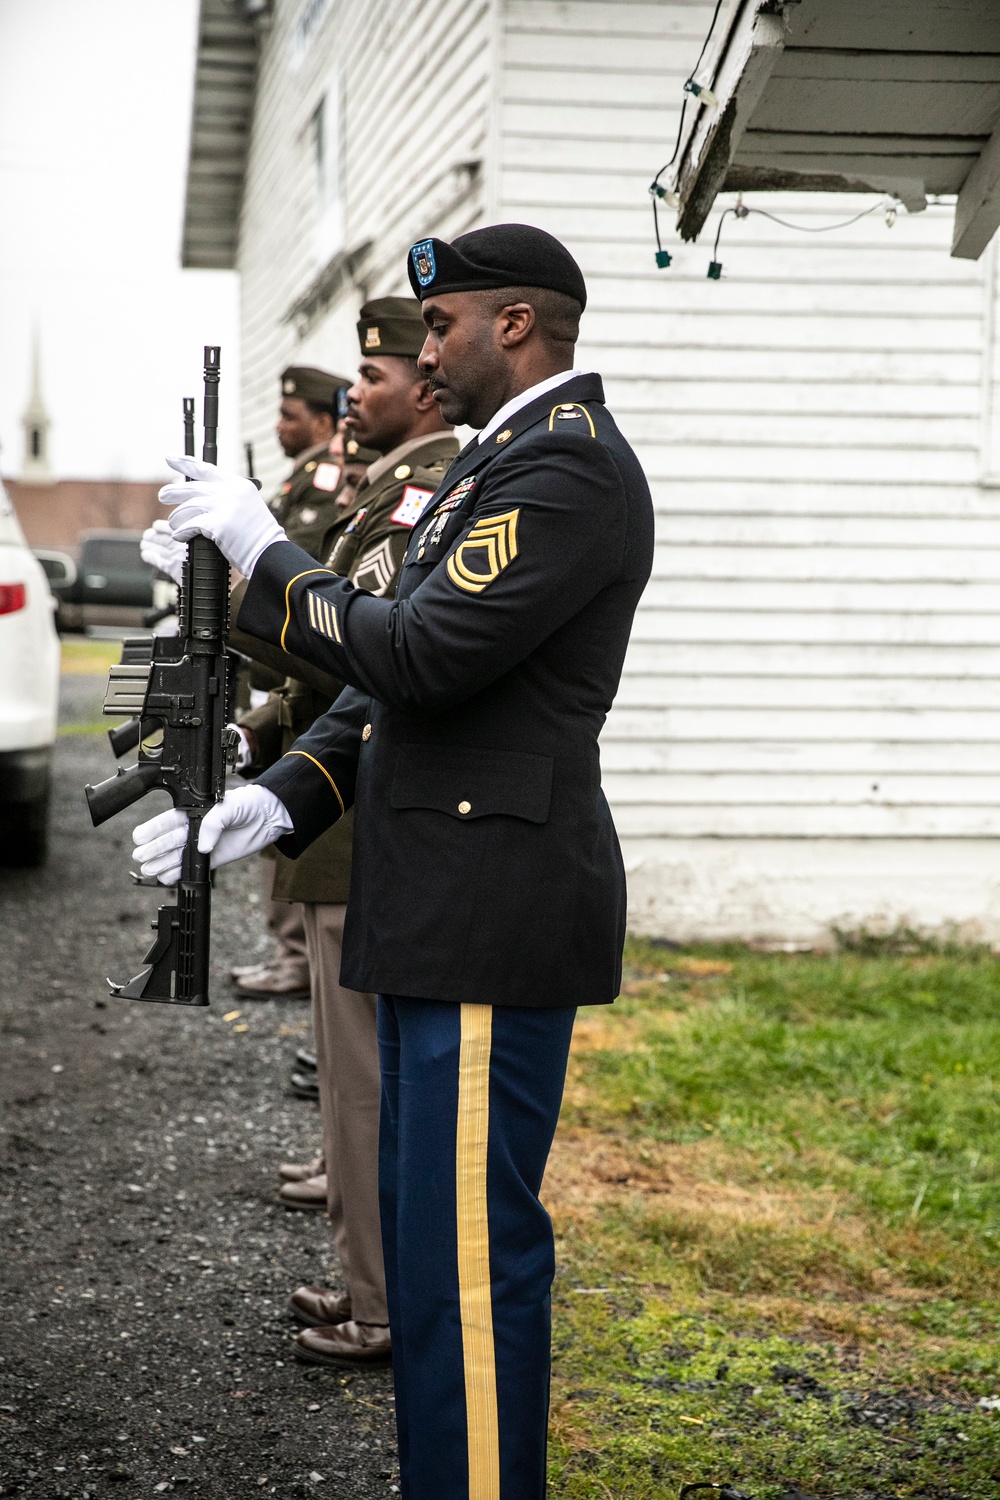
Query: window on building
point(36, 442)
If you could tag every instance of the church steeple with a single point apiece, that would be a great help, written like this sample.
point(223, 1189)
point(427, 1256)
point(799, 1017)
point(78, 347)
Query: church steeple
point(36, 423)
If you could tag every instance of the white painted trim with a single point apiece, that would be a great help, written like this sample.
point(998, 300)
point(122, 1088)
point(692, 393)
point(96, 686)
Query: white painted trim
point(977, 212)
point(989, 477)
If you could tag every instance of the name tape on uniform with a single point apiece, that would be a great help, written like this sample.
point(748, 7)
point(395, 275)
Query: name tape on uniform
point(407, 512)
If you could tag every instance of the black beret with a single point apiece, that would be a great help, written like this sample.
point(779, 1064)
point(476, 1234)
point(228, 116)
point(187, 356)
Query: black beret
point(391, 325)
point(318, 387)
point(498, 256)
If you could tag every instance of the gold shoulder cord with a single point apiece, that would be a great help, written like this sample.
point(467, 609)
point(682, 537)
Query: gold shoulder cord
point(572, 406)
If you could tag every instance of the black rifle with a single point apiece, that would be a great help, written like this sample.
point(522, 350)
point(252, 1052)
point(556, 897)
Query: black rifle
point(180, 688)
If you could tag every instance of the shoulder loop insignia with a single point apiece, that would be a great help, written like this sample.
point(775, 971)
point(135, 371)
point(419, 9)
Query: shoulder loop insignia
point(322, 615)
point(571, 411)
point(485, 552)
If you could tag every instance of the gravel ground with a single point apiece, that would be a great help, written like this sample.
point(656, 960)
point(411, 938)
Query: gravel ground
point(145, 1346)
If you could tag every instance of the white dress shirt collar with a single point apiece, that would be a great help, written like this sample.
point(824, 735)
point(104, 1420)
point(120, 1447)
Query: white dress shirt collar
point(506, 412)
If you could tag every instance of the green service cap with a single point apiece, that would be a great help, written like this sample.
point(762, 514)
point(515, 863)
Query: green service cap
point(391, 325)
point(318, 387)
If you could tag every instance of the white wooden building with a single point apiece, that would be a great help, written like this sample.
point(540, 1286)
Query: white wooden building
point(808, 730)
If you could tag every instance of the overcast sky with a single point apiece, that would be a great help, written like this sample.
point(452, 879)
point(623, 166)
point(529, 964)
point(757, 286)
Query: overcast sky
point(95, 100)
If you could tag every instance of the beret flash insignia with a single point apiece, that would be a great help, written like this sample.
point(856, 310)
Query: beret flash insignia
point(424, 264)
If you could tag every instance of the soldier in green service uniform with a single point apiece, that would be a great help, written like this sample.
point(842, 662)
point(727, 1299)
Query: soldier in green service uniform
point(390, 409)
point(319, 487)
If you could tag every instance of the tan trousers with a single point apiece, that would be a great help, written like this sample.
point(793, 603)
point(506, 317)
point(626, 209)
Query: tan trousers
point(284, 922)
point(347, 1068)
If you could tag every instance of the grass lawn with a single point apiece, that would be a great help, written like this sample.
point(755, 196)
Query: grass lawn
point(777, 1212)
point(82, 656)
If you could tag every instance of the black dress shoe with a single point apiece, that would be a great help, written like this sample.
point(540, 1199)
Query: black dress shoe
point(305, 1085)
point(306, 1060)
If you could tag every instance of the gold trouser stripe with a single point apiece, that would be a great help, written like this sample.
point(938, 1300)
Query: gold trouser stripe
point(306, 756)
point(288, 604)
point(474, 1289)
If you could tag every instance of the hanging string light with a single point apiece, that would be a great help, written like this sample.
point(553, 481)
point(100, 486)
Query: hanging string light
point(700, 93)
point(741, 211)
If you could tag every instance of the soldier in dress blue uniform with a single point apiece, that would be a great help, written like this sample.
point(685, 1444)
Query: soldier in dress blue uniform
point(488, 893)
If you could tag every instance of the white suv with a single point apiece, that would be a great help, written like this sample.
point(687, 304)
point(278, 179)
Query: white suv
point(29, 695)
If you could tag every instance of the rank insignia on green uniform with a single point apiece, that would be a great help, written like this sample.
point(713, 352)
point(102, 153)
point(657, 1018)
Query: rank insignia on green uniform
point(408, 511)
point(424, 264)
point(373, 339)
point(375, 571)
point(486, 551)
point(322, 616)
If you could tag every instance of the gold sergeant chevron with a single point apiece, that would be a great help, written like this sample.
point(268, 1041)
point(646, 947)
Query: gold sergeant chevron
point(492, 541)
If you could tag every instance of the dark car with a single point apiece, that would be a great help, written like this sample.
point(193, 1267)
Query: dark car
point(113, 585)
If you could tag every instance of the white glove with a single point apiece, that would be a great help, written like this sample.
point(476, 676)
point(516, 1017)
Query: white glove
point(244, 755)
point(161, 550)
point(224, 507)
point(245, 821)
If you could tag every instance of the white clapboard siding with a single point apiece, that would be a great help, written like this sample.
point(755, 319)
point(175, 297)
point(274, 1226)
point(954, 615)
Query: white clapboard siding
point(817, 655)
point(415, 86)
point(816, 664)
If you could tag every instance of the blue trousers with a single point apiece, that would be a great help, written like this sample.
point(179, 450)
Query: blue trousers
point(470, 1100)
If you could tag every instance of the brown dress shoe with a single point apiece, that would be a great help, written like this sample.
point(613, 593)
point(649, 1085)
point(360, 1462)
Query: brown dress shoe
point(344, 1344)
point(296, 1171)
point(308, 1194)
point(318, 1307)
point(281, 981)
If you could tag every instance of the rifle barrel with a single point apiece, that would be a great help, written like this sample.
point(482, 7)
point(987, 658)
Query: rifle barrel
point(189, 426)
point(210, 449)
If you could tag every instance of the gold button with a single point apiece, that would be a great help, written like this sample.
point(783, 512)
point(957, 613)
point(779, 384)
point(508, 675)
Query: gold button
point(352, 447)
point(366, 733)
point(465, 807)
point(503, 436)
point(402, 472)
point(309, 467)
point(420, 553)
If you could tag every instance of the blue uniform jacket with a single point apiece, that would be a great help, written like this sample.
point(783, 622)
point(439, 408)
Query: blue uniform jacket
point(486, 863)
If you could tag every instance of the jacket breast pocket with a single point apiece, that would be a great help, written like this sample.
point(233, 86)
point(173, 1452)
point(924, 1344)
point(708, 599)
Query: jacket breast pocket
point(469, 784)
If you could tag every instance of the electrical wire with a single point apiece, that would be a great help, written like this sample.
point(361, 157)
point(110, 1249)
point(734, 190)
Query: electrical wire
point(816, 228)
point(741, 211)
point(680, 125)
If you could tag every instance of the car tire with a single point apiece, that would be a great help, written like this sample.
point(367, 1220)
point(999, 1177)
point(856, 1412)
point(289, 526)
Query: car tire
point(24, 833)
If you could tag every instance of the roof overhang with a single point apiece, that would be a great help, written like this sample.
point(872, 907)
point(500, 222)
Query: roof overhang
point(898, 96)
point(225, 81)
